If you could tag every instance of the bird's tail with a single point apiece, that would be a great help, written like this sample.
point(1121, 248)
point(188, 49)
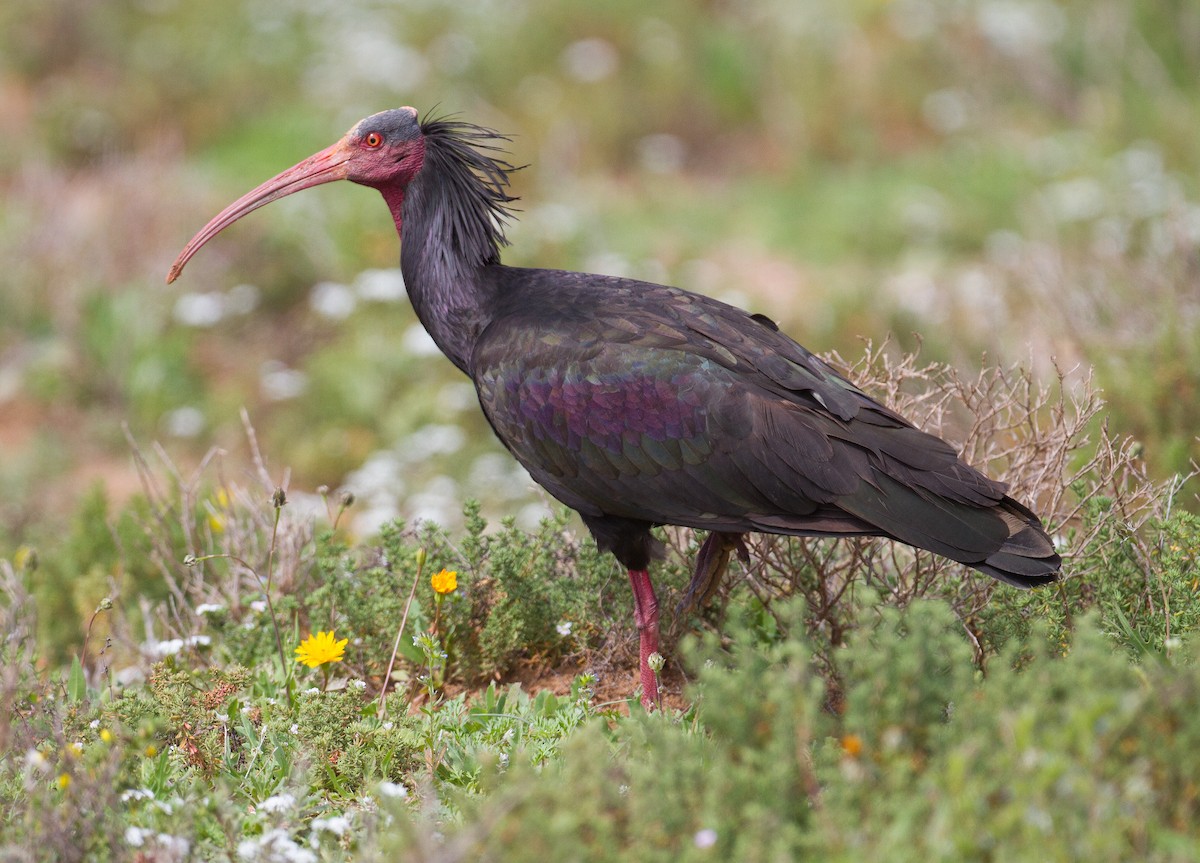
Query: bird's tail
point(1027, 557)
point(1003, 539)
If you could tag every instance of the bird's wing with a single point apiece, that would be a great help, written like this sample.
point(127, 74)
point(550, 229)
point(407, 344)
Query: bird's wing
point(644, 404)
point(626, 429)
point(685, 411)
point(815, 407)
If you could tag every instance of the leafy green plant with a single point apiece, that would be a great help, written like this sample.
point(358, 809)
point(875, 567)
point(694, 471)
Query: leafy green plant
point(348, 745)
point(927, 760)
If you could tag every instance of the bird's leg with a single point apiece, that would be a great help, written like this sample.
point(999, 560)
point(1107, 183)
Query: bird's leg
point(645, 610)
point(711, 563)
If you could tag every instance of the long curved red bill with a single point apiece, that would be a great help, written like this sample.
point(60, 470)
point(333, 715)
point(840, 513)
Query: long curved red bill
point(323, 167)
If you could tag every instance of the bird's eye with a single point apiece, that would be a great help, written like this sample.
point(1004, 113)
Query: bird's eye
point(373, 140)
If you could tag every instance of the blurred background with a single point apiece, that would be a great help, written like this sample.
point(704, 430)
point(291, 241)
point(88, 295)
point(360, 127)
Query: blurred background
point(999, 181)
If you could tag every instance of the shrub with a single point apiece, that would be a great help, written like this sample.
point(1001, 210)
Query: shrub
point(1068, 757)
point(1111, 522)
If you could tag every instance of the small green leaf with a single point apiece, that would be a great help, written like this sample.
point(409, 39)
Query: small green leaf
point(76, 682)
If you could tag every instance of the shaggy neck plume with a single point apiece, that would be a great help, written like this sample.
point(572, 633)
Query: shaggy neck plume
point(451, 223)
point(460, 194)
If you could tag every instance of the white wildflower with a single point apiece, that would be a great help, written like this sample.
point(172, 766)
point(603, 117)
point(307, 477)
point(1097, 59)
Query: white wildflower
point(278, 383)
point(392, 789)
point(564, 628)
point(381, 286)
point(332, 300)
point(200, 309)
point(590, 60)
point(167, 648)
point(274, 846)
point(209, 608)
point(278, 803)
point(705, 838)
point(35, 760)
point(335, 824)
point(177, 847)
point(185, 421)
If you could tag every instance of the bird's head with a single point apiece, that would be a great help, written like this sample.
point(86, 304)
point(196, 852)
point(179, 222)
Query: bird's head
point(384, 151)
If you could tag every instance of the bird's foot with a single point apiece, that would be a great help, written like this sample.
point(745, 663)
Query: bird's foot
point(711, 564)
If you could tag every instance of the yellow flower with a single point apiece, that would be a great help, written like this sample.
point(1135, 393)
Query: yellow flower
point(216, 514)
point(106, 735)
point(26, 558)
point(852, 745)
point(321, 648)
point(63, 781)
point(445, 581)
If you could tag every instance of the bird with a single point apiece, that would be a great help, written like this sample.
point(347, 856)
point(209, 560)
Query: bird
point(640, 405)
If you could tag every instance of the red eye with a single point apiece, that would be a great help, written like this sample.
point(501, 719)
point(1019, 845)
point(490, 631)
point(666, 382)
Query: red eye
point(373, 140)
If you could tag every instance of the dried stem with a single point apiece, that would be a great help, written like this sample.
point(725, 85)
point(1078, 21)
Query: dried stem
point(387, 677)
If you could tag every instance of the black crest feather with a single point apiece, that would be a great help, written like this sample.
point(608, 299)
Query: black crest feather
point(468, 162)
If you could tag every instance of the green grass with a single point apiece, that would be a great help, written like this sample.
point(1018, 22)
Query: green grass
point(901, 742)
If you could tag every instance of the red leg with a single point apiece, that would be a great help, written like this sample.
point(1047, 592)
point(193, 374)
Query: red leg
point(645, 610)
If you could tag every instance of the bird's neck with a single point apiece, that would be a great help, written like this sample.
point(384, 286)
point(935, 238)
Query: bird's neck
point(450, 216)
point(394, 196)
point(445, 285)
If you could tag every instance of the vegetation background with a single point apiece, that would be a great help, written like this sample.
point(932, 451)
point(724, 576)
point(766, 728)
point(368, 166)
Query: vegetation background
point(994, 182)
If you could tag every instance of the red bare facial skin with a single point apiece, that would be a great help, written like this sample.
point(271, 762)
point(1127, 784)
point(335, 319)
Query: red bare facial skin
point(363, 156)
